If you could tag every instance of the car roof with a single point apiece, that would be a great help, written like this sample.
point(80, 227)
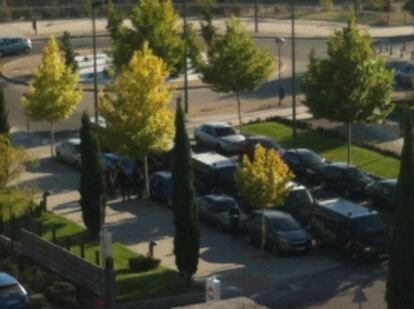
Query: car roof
point(346, 208)
point(299, 150)
point(12, 37)
point(213, 159)
point(219, 197)
point(163, 174)
point(341, 165)
point(74, 141)
point(217, 124)
point(392, 181)
point(6, 279)
point(273, 214)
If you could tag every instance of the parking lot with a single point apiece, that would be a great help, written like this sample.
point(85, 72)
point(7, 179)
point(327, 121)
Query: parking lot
point(243, 268)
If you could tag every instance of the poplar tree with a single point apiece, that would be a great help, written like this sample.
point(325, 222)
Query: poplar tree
point(400, 280)
point(4, 114)
point(67, 49)
point(352, 84)
point(91, 180)
point(53, 93)
point(187, 231)
point(235, 64)
point(137, 109)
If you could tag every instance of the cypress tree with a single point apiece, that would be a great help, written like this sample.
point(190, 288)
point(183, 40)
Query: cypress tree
point(4, 114)
point(400, 281)
point(187, 232)
point(67, 49)
point(91, 182)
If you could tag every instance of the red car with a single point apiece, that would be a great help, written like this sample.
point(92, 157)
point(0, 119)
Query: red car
point(248, 146)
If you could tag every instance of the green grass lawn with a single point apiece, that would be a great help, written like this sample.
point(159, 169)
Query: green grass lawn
point(131, 286)
point(330, 148)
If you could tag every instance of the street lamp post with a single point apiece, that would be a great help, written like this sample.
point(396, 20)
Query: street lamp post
point(94, 5)
point(292, 4)
point(279, 42)
point(185, 56)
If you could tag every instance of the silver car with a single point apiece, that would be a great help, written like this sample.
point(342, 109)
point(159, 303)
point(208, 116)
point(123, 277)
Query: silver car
point(14, 45)
point(69, 152)
point(219, 135)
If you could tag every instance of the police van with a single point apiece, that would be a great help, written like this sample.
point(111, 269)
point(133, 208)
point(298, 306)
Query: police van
point(214, 173)
point(360, 231)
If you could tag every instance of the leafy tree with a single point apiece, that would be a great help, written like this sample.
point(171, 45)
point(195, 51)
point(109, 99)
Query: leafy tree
point(264, 181)
point(401, 267)
point(155, 22)
point(137, 114)
point(235, 64)
point(409, 7)
point(91, 181)
point(12, 161)
point(187, 231)
point(352, 84)
point(4, 114)
point(194, 47)
point(208, 31)
point(52, 94)
point(68, 51)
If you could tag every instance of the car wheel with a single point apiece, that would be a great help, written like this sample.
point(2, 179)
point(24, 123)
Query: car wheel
point(26, 50)
point(275, 249)
point(2, 54)
point(248, 238)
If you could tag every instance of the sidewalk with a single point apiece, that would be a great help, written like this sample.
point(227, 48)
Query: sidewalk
point(267, 28)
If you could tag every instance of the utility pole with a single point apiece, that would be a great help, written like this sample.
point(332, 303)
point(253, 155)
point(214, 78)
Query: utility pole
point(185, 57)
point(292, 3)
point(256, 16)
point(95, 4)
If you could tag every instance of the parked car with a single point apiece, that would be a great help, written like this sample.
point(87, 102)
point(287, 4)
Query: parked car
point(12, 294)
point(161, 187)
point(109, 160)
point(305, 164)
point(299, 204)
point(347, 179)
point(382, 194)
point(360, 231)
point(248, 146)
point(14, 45)
point(214, 210)
point(214, 173)
point(218, 135)
point(404, 75)
point(69, 152)
point(283, 233)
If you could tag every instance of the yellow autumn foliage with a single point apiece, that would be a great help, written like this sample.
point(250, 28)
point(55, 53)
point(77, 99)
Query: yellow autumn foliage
point(139, 121)
point(264, 181)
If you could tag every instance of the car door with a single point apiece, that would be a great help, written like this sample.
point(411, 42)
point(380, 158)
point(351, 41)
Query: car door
point(13, 46)
point(212, 137)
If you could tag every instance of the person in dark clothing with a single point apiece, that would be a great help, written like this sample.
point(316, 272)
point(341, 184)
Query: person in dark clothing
point(234, 214)
point(110, 179)
point(123, 181)
point(139, 176)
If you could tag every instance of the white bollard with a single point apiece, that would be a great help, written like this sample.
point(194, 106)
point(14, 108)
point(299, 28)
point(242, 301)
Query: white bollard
point(106, 244)
point(213, 289)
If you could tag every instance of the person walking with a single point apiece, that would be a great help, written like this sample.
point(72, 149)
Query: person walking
point(234, 214)
point(123, 183)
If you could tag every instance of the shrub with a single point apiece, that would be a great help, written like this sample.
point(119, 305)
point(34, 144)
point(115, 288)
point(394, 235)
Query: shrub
point(37, 301)
point(62, 293)
point(143, 263)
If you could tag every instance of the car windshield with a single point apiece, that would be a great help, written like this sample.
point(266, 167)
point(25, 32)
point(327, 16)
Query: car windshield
point(299, 198)
point(370, 224)
point(225, 131)
point(9, 290)
point(310, 157)
point(224, 206)
point(284, 224)
point(354, 173)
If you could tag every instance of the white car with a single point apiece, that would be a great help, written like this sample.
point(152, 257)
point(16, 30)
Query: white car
point(69, 152)
point(218, 135)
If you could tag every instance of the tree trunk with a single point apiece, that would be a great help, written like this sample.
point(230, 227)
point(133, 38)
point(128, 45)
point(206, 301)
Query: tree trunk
point(349, 144)
point(263, 238)
point(52, 138)
point(146, 176)
point(239, 110)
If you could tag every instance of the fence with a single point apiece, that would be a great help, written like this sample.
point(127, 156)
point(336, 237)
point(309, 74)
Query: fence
point(87, 275)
